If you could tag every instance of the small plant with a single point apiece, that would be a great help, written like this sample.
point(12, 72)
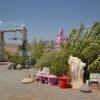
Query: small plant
point(15, 58)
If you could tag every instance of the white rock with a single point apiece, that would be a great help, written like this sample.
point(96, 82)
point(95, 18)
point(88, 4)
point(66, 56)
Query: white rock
point(19, 66)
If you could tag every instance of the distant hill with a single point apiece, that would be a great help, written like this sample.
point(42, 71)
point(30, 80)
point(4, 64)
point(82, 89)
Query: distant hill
point(11, 47)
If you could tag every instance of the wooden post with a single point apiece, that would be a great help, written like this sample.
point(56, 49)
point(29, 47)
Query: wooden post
point(1, 46)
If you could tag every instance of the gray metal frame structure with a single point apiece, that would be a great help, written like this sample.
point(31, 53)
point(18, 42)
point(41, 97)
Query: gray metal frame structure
point(11, 27)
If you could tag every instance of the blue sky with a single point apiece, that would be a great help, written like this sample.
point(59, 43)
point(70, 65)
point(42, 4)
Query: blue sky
point(44, 18)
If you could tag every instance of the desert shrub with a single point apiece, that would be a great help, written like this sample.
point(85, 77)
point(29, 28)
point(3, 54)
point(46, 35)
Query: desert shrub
point(46, 60)
point(16, 58)
point(60, 65)
point(56, 61)
point(37, 48)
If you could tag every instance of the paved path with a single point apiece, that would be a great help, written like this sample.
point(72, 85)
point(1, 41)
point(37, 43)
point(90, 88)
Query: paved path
point(11, 88)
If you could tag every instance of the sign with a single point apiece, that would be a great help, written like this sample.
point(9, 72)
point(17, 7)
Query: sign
point(95, 77)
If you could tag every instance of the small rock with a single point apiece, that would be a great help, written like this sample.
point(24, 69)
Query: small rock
point(27, 66)
point(86, 88)
point(19, 66)
point(10, 66)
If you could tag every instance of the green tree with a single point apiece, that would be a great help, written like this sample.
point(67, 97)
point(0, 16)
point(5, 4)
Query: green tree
point(85, 43)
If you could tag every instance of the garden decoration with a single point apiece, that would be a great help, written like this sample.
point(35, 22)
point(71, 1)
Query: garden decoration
point(77, 71)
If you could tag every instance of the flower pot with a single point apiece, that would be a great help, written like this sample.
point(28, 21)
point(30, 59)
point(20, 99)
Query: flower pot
point(63, 82)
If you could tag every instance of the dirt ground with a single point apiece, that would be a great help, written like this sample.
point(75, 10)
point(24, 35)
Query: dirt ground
point(11, 88)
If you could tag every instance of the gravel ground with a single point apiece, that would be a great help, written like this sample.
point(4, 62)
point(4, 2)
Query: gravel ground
point(11, 88)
